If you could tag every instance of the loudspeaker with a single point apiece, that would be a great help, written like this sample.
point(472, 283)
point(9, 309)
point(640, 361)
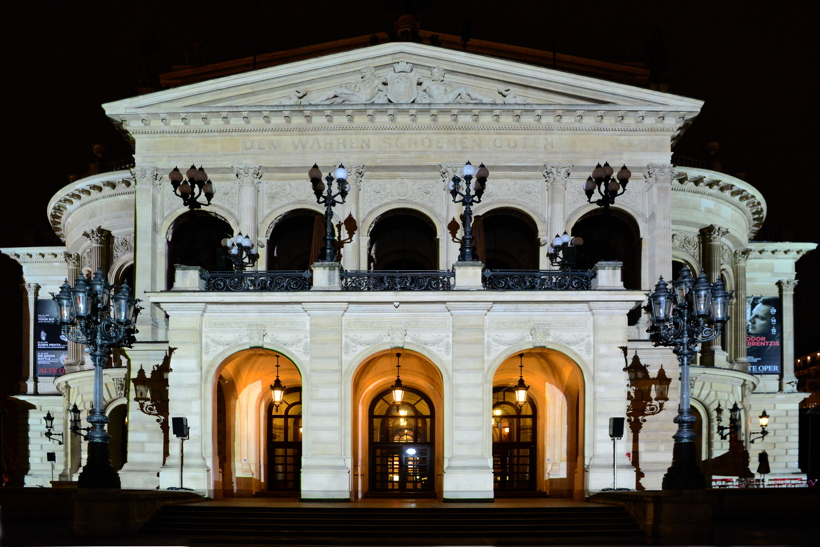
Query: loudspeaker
point(180, 426)
point(51, 456)
point(616, 427)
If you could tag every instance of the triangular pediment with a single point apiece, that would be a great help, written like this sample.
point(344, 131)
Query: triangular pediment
point(401, 74)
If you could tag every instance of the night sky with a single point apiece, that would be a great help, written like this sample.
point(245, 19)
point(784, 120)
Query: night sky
point(66, 59)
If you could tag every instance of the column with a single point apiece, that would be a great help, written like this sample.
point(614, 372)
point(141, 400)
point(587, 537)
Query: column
point(76, 352)
point(149, 257)
point(352, 250)
point(325, 473)
point(788, 382)
point(468, 473)
point(249, 188)
point(100, 249)
point(738, 322)
point(185, 400)
point(30, 386)
point(712, 355)
point(146, 440)
point(659, 196)
point(556, 177)
point(608, 400)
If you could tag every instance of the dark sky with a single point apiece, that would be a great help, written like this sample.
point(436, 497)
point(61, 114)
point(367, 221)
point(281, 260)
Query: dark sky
point(65, 59)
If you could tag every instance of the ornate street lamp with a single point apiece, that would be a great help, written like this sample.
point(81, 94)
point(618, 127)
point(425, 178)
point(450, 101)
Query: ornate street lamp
point(472, 194)
point(562, 252)
point(241, 251)
point(192, 186)
point(763, 420)
point(100, 317)
point(694, 313)
point(522, 388)
point(75, 423)
point(608, 187)
point(734, 419)
point(50, 435)
point(398, 387)
point(277, 389)
point(324, 195)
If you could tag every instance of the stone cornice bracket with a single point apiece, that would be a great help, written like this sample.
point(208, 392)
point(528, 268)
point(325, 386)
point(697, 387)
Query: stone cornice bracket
point(148, 176)
point(72, 260)
point(713, 233)
point(355, 173)
point(557, 174)
point(786, 285)
point(249, 175)
point(97, 236)
point(659, 173)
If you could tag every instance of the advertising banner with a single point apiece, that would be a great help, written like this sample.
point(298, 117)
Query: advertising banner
point(764, 334)
point(51, 346)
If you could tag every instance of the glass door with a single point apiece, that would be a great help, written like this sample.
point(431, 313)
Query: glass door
point(514, 447)
point(285, 443)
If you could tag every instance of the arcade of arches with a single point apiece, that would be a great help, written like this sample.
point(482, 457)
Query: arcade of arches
point(398, 448)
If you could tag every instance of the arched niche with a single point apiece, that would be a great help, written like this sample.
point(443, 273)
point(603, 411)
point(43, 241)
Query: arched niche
point(506, 239)
point(372, 378)
point(556, 393)
point(195, 239)
point(241, 418)
point(403, 239)
point(610, 235)
point(296, 240)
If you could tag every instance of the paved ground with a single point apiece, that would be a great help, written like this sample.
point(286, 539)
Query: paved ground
point(757, 531)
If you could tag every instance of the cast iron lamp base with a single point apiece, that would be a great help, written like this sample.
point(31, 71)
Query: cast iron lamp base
point(684, 473)
point(98, 472)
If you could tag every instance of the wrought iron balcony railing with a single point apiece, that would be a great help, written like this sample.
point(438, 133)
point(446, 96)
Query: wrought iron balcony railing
point(271, 281)
point(396, 280)
point(537, 280)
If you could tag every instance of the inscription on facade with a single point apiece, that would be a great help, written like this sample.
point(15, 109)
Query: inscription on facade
point(386, 143)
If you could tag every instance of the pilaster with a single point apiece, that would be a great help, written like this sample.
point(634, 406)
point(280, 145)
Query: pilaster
point(249, 186)
point(556, 176)
point(351, 252)
point(738, 325)
point(75, 360)
point(325, 471)
point(468, 472)
point(100, 255)
point(659, 189)
point(32, 291)
point(788, 381)
point(712, 355)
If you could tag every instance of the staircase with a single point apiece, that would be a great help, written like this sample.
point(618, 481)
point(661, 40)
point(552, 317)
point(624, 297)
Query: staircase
point(393, 526)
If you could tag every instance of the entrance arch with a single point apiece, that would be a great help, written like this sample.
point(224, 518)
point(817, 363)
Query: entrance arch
point(546, 454)
point(247, 432)
point(403, 239)
point(394, 443)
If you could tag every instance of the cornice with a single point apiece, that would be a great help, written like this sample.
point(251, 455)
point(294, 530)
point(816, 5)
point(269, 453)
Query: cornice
point(773, 250)
point(36, 255)
point(725, 188)
point(87, 191)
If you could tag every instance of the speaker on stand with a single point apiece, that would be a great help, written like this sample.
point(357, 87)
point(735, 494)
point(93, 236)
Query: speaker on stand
point(616, 431)
point(180, 428)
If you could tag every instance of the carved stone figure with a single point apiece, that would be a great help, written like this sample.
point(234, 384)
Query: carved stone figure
point(435, 91)
point(371, 89)
point(510, 97)
point(293, 98)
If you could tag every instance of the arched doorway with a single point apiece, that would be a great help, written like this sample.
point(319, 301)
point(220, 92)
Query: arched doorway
point(296, 240)
point(403, 239)
point(515, 450)
point(506, 239)
point(285, 443)
point(610, 235)
point(118, 429)
point(195, 239)
point(401, 449)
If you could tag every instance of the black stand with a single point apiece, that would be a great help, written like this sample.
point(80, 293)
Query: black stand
point(614, 473)
point(182, 439)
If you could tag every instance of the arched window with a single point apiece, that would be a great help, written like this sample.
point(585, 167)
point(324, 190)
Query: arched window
point(196, 240)
point(611, 235)
point(401, 443)
point(296, 240)
point(506, 239)
point(403, 239)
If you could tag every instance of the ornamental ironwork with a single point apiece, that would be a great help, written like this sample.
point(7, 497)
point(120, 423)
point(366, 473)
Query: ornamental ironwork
point(272, 281)
point(537, 280)
point(397, 280)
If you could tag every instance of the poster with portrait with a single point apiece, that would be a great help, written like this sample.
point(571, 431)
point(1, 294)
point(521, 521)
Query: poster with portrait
point(51, 345)
point(764, 325)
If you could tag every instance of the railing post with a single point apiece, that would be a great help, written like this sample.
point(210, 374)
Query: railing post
point(608, 276)
point(327, 276)
point(468, 276)
point(188, 278)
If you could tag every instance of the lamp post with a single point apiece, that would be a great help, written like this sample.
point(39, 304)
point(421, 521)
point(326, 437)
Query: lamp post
point(96, 314)
point(725, 431)
point(195, 180)
point(324, 195)
point(50, 435)
point(472, 194)
point(608, 187)
point(562, 252)
point(241, 252)
point(695, 312)
point(763, 420)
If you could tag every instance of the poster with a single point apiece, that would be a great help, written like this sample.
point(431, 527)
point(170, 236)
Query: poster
point(51, 345)
point(764, 334)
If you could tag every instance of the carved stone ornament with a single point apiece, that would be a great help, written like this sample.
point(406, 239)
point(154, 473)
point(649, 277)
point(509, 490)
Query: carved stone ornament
point(32, 289)
point(397, 335)
point(256, 337)
point(149, 176)
point(787, 285)
point(659, 173)
point(97, 236)
point(249, 175)
point(713, 233)
point(540, 336)
point(686, 242)
point(557, 174)
point(123, 245)
point(72, 260)
point(402, 83)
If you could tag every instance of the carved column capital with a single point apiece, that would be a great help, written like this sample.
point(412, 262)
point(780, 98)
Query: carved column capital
point(713, 233)
point(249, 175)
point(556, 174)
point(742, 256)
point(148, 176)
point(355, 173)
point(97, 236)
point(659, 173)
point(786, 285)
point(31, 289)
point(72, 260)
point(448, 171)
